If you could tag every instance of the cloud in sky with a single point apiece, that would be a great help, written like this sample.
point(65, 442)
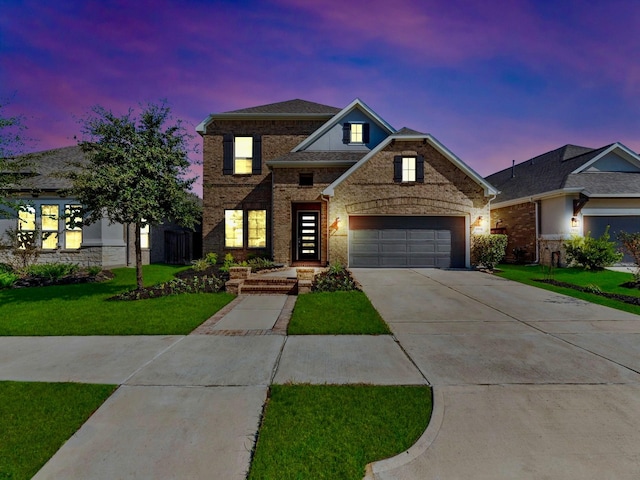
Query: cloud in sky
point(492, 80)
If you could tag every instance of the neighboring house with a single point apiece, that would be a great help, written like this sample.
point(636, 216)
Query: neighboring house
point(569, 191)
point(310, 184)
point(102, 243)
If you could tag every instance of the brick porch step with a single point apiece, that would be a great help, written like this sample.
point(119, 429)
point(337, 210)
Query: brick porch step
point(267, 285)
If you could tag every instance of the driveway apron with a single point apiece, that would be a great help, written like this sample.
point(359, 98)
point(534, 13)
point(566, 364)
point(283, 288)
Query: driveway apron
point(527, 384)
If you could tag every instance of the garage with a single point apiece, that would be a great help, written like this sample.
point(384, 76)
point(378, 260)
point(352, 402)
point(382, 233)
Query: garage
point(597, 225)
point(406, 241)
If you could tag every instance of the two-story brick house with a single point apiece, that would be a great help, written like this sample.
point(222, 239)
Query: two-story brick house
point(312, 184)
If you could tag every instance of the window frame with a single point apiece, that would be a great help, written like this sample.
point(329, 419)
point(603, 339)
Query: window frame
point(226, 220)
point(49, 233)
point(399, 170)
point(409, 168)
point(70, 209)
point(249, 229)
point(246, 161)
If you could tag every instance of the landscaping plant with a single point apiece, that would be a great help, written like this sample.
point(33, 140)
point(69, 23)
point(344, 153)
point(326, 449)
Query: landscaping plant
point(489, 249)
point(336, 278)
point(631, 243)
point(592, 253)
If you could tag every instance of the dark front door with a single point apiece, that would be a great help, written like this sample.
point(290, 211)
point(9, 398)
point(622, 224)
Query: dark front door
point(308, 236)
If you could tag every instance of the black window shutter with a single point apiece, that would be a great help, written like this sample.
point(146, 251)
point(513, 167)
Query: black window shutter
point(256, 168)
point(227, 154)
point(346, 132)
point(397, 168)
point(365, 133)
point(420, 169)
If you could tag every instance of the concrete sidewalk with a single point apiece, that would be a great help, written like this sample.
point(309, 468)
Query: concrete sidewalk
point(190, 406)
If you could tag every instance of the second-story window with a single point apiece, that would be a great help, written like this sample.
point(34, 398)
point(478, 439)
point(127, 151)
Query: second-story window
point(243, 155)
point(355, 133)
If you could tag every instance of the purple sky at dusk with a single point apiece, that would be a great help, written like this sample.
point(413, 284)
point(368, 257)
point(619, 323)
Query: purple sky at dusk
point(492, 80)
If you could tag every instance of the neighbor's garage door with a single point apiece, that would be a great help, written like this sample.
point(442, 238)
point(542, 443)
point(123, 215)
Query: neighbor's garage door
point(406, 242)
point(597, 225)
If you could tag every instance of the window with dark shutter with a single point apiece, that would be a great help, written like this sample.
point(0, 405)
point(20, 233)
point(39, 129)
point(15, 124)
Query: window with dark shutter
point(346, 133)
point(257, 155)
point(227, 154)
point(420, 169)
point(397, 168)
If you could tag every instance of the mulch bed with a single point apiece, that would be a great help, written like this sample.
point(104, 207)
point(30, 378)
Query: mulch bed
point(630, 299)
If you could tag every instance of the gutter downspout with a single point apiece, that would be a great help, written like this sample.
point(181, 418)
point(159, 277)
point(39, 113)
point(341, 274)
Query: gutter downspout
point(538, 225)
point(325, 198)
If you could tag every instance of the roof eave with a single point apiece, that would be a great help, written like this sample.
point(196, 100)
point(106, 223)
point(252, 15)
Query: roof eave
point(310, 163)
point(202, 126)
point(539, 196)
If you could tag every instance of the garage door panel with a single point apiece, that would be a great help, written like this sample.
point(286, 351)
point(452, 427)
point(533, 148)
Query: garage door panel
point(424, 242)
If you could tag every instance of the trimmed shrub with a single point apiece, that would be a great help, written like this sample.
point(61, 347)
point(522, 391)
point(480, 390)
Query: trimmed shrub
point(592, 253)
point(489, 249)
point(336, 278)
point(204, 284)
point(51, 271)
point(7, 279)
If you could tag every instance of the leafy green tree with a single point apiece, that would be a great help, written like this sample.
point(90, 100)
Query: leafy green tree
point(135, 172)
point(11, 145)
point(631, 244)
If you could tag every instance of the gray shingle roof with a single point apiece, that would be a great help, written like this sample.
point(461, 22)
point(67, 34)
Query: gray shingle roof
point(292, 107)
point(544, 173)
point(408, 132)
point(307, 157)
point(43, 167)
point(605, 183)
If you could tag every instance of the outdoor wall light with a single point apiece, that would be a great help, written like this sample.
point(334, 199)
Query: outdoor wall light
point(335, 225)
point(574, 222)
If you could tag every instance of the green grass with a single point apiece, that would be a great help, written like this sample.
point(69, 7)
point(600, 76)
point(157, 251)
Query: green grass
point(37, 418)
point(608, 281)
point(84, 310)
point(336, 313)
point(332, 432)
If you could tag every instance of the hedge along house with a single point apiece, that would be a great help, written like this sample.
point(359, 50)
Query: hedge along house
point(569, 191)
point(311, 184)
point(43, 217)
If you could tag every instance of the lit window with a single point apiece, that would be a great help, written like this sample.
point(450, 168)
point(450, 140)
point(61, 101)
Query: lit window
point(243, 155)
point(356, 133)
point(26, 226)
point(49, 226)
point(144, 236)
point(233, 228)
point(408, 169)
point(257, 228)
point(72, 227)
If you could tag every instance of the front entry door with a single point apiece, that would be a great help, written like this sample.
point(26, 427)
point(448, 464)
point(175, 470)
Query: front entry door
point(308, 236)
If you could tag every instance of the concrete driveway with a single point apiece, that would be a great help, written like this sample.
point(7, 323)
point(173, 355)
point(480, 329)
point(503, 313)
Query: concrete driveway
point(527, 384)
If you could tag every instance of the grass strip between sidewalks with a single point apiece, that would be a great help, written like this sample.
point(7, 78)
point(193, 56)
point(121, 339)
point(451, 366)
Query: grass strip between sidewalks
point(606, 280)
point(37, 418)
point(333, 431)
point(336, 313)
point(83, 309)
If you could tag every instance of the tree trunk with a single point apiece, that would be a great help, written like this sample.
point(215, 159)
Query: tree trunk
point(139, 281)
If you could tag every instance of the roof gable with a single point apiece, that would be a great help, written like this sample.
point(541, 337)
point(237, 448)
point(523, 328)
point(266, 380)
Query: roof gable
point(43, 169)
point(357, 111)
point(615, 158)
point(407, 136)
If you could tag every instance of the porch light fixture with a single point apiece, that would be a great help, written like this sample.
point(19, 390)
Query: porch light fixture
point(335, 225)
point(574, 222)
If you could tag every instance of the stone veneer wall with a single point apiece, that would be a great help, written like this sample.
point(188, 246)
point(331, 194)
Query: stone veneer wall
point(222, 192)
point(85, 257)
point(370, 190)
point(520, 223)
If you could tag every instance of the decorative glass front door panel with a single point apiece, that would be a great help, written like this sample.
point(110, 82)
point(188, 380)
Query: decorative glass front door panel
point(308, 236)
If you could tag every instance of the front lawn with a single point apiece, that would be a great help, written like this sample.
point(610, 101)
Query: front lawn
point(606, 280)
point(37, 418)
point(333, 431)
point(336, 313)
point(84, 309)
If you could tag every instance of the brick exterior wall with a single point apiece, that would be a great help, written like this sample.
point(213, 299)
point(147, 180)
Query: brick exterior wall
point(370, 190)
point(520, 224)
point(287, 194)
point(253, 192)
